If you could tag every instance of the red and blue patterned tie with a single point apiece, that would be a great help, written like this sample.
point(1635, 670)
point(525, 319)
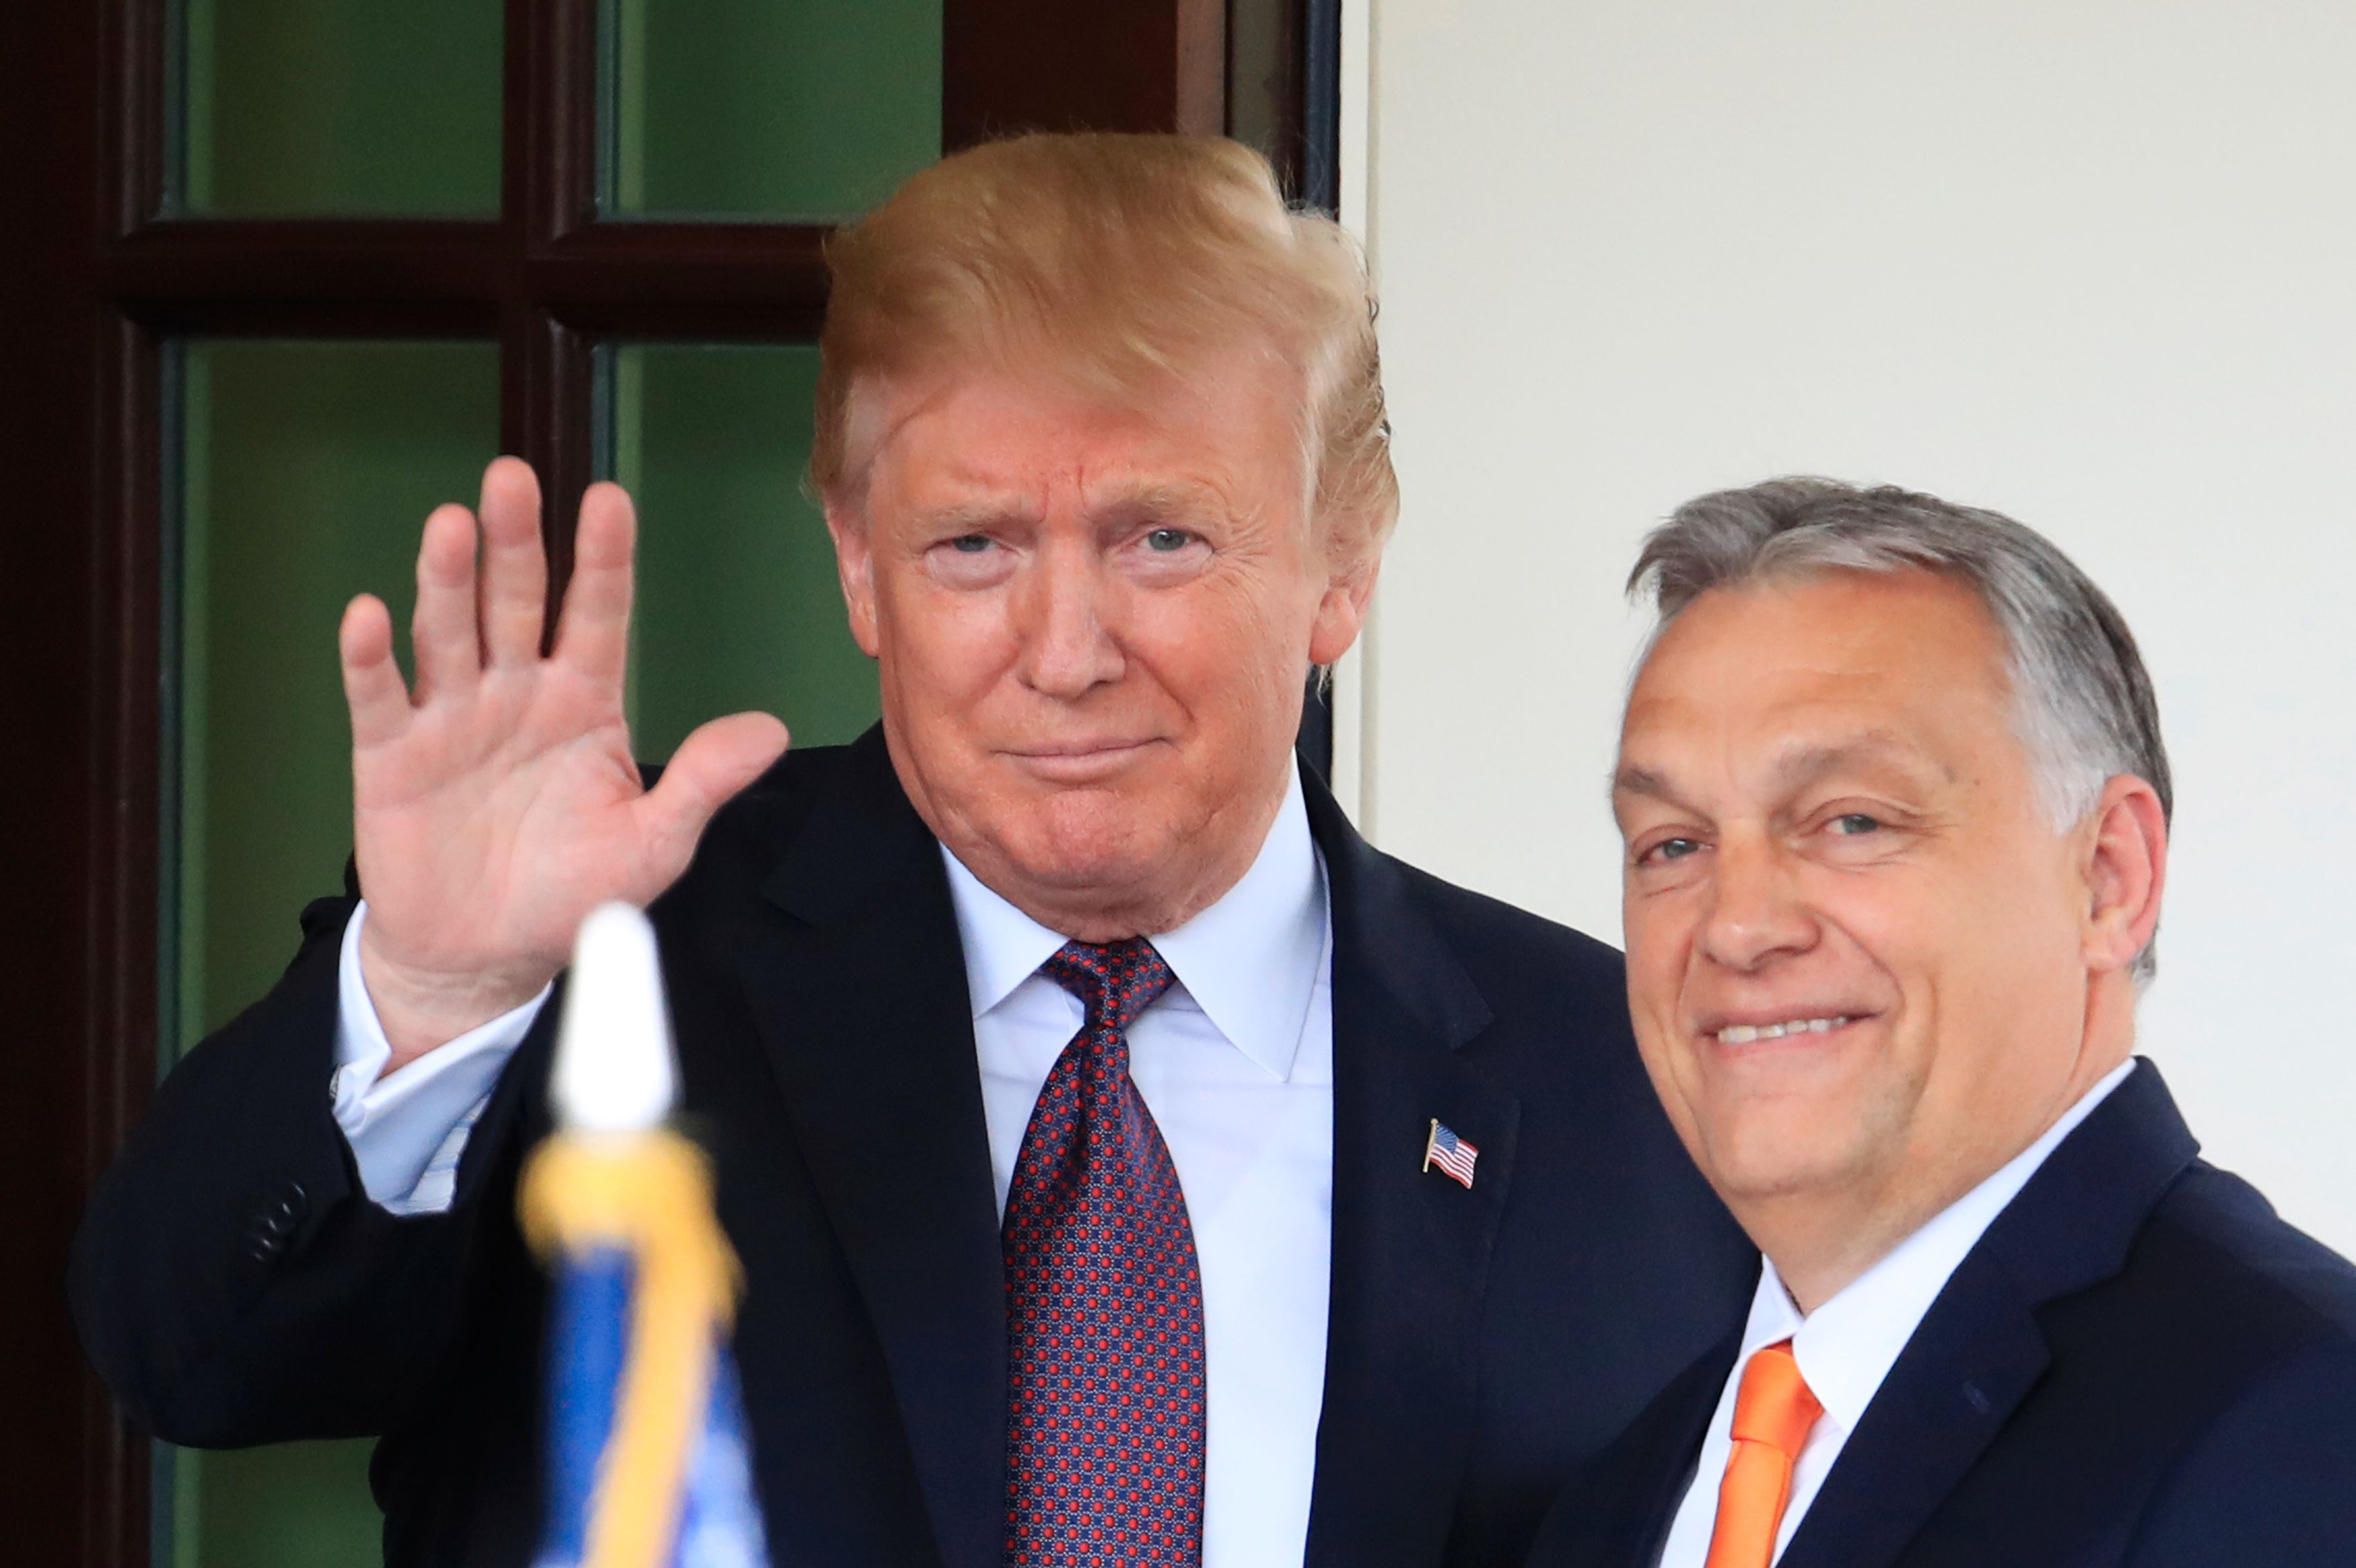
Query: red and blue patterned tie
point(1104, 1302)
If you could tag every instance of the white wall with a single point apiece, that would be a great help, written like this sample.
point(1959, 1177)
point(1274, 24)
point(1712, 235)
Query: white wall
point(2087, 262)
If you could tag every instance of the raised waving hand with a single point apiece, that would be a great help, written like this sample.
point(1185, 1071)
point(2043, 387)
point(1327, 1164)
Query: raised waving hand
point(495, 801)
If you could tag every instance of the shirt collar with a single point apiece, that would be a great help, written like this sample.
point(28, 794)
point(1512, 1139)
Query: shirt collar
point(1251, 960)
point(1848, 1345)
point(1003, 947)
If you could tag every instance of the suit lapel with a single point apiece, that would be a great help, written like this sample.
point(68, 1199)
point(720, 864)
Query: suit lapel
point(1616, 1512)
point(860, 991)
point(1974, 1358)
point(1980, 1349)
point(1410, 1247)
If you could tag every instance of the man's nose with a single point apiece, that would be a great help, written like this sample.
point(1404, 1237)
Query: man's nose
point(1756, 911)
point(1062, 608)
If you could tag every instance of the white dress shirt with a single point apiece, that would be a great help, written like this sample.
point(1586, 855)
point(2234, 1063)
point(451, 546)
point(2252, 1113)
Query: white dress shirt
point(407, 1128)
point(1234, 1061)
point(1848, 1345)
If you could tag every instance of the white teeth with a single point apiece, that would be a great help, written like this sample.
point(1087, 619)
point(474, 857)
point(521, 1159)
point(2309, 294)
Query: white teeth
point(1743, 1034)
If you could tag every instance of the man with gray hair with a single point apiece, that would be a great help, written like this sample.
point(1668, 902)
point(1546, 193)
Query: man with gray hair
point(1896, 811)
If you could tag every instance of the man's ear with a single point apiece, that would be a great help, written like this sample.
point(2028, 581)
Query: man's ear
point(1342, 612)
point(854, 562)
point(2126, 869)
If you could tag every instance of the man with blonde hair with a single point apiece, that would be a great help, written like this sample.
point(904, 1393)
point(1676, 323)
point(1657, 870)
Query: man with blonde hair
point(1127, 1164)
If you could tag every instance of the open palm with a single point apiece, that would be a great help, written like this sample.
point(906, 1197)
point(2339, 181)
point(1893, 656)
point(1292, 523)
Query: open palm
point(497, 802)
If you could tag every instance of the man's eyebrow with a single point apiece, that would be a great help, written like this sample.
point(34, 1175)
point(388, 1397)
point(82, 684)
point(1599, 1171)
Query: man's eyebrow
point(1643, 782)
point(1161, 497)
point(1151, 497)
point(971, 516)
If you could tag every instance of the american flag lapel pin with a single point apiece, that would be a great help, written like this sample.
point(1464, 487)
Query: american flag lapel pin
point(1452, 1154)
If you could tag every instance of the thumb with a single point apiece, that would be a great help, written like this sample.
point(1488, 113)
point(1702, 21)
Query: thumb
point(710, 766)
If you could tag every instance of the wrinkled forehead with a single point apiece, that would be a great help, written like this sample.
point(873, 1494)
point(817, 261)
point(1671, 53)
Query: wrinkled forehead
point(1747, 678)
point(1217, 433)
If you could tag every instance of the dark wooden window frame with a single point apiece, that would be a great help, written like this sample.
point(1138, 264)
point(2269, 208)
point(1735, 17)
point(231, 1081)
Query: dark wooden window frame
point(98, 280)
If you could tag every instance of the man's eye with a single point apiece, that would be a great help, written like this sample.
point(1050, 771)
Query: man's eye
point(1164, 540)
point(1671, 849)
point(1850, 824)
point(969, 544)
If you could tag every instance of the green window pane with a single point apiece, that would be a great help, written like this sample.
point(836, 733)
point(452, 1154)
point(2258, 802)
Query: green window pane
point(738, 606)
point(295, 1505)
point(355, 108)
point(304, 474)
point(791, 110)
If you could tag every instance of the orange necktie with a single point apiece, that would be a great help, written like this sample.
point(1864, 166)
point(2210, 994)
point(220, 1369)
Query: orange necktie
point(1773, 1413)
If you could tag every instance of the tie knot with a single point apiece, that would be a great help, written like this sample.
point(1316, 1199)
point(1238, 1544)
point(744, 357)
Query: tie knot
point(1773, 1405)
point(1114, 980)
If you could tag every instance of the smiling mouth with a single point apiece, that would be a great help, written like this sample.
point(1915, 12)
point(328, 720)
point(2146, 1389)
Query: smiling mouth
point(1747, 1034)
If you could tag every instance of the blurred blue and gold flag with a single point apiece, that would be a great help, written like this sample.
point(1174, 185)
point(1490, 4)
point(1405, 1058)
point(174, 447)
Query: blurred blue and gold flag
point(649, 1463)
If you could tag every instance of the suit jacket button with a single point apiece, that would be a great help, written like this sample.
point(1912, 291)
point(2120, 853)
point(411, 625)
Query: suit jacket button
point(268, 1232)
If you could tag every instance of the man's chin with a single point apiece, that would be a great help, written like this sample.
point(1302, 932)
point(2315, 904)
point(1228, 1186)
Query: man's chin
point(1787, 1152)
point(1086, 872)
point(1077, 833)
point(1080, 843)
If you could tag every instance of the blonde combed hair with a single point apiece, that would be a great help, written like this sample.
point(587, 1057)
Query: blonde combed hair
point(1114, 262)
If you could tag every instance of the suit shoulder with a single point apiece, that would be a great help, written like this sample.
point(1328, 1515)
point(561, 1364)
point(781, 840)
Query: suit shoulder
point(2267, 1479)
point(1512, 938)
point(2229, 1241)
point(794, 780)
point(1558, 998)
point(765, 816)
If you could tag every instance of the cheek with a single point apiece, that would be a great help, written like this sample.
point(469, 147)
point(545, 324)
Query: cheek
point(2021, 969)
point(1658, 930)
point(1655, 996)
point(1970, 952)
point(1228, 657)
point(2005, 909)
point(939, 651)
point(1907, 938)
point(1664, 912)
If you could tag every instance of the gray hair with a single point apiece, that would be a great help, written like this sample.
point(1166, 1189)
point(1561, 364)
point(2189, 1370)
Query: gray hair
point(2083, 704)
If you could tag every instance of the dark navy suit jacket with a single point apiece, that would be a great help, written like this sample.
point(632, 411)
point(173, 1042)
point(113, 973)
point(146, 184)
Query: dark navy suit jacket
point(234, 1284)
point(2137, 1365)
